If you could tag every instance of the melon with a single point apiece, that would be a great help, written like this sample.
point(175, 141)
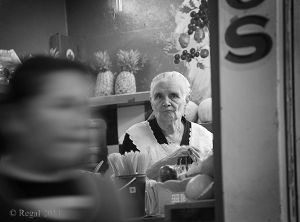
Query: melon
point(208, 166)
point(200, 187)
point(202, 167)
point(191, 111)
point(205, 111)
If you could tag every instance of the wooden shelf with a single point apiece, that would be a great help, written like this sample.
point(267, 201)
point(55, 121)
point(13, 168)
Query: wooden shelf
point(122, 100)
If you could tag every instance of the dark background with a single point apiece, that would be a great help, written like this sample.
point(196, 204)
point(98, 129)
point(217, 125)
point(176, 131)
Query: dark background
point(27, 25)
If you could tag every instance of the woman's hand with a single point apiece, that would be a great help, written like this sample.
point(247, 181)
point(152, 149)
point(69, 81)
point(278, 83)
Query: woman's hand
point(183, 151)
point(173, 157)
point(153, 171)
point(193, 152)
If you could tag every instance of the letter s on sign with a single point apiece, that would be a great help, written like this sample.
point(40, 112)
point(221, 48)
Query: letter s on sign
point(260, 41)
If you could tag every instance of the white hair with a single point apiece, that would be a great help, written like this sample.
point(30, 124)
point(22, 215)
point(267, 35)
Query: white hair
point(167, 76)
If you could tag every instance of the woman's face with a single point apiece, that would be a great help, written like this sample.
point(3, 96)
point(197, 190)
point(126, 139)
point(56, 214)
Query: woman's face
point(168, 100)
point(56, 121)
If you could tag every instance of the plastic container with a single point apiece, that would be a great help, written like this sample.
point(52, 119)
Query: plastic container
point(132, 192)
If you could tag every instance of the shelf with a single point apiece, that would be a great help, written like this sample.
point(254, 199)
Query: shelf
point(147, 219)
point(193, 204)
point(122, 100)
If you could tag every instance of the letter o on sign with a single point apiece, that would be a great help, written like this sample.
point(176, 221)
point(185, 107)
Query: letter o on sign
point(240, 4)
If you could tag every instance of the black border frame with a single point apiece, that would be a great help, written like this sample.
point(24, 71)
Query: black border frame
point(213, 7)
point(289, 105)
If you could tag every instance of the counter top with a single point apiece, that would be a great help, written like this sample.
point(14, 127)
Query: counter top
point(122, 99)
point(147, 219)
point(205, 207)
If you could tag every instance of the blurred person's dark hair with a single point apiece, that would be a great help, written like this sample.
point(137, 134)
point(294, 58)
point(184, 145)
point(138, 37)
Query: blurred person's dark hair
point(28, 81)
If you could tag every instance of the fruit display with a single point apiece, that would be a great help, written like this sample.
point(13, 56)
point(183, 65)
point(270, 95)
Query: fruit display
point(205, 111)
point(191, 111)
point(105, 78)
point(130, 62)
point(4, 75)
point(208, 166)
point(184, 40)
point(197, 25)
point(199, 35)
point(200, 187)
point(188, 46)
point(167, 173)
point(9, 60)
point(199, 19)
point(202, 167)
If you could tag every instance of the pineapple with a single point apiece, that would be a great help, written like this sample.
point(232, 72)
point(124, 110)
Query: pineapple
point(130, 62)
point(105, 78)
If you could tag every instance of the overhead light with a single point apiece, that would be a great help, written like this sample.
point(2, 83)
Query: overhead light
point(118, 5)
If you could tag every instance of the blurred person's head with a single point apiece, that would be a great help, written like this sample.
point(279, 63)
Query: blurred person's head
point(169, 95)
point(46, 114)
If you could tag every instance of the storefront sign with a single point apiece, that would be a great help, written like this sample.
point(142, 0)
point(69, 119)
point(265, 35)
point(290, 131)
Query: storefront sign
point(250, 77)
point(261, 41)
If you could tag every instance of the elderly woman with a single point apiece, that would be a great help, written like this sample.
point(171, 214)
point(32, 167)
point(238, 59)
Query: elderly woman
point(168, 135)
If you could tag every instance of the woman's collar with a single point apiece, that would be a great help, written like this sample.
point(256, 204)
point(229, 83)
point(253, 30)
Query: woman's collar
point(160, 137)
